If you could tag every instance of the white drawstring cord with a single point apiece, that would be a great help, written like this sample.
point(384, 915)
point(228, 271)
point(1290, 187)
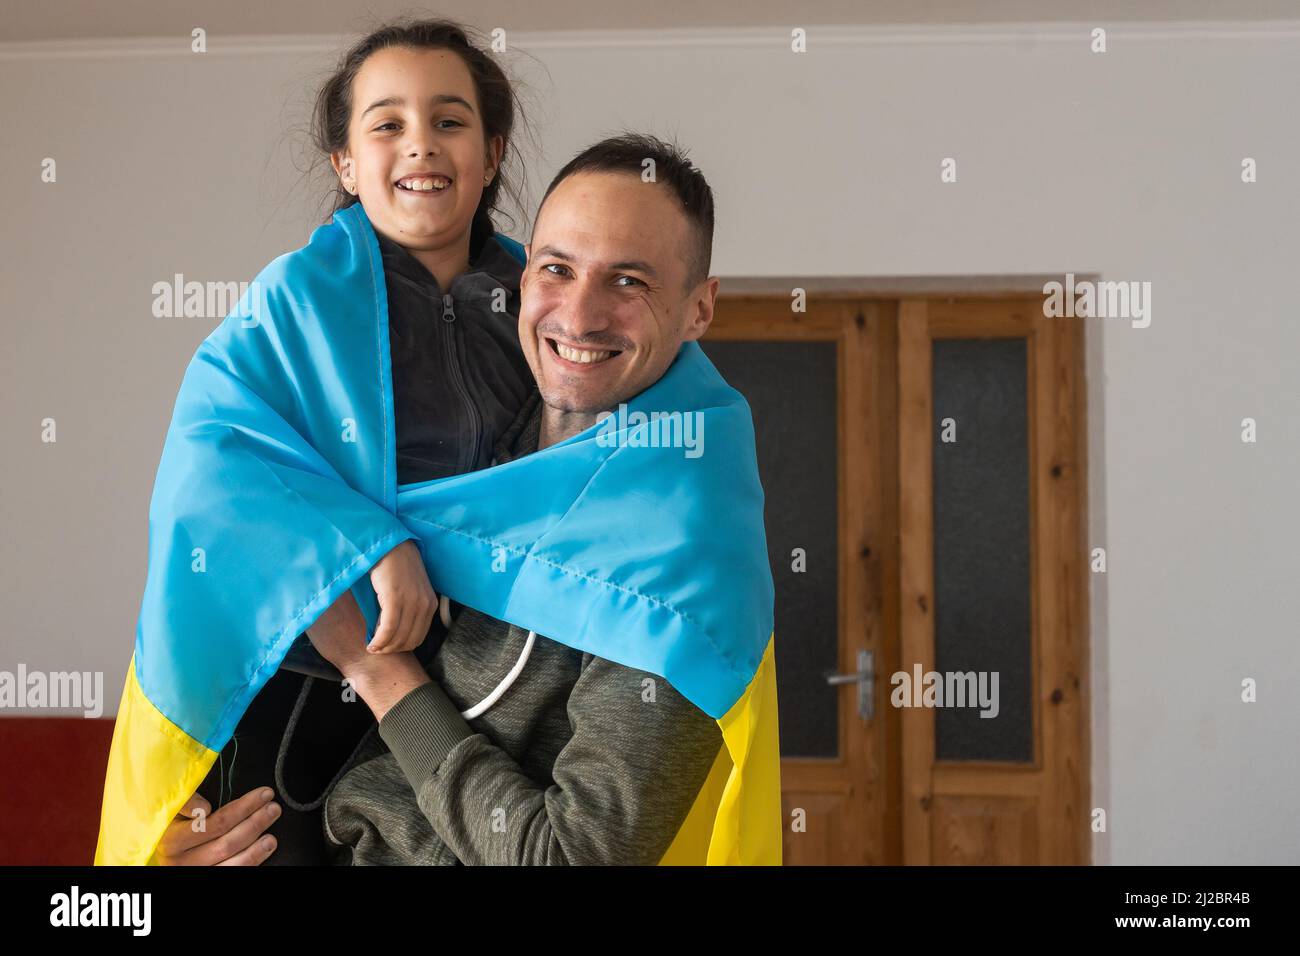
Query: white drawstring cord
point(444, 612)
point(509, 679)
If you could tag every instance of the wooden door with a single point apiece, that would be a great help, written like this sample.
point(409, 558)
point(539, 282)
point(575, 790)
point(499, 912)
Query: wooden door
point(838, 395)
point(995, 480)
point(823, 391)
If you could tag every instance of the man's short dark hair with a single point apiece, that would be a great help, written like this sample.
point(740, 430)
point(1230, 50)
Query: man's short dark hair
point(628, 153)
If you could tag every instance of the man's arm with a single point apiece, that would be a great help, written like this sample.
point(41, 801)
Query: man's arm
point(624, 782)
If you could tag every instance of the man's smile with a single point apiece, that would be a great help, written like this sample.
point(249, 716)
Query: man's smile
point(570, 356)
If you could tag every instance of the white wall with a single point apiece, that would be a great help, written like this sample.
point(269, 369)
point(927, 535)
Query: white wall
point(824, 163)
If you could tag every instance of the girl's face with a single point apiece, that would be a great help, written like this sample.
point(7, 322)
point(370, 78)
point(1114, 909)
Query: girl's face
point(416, 154)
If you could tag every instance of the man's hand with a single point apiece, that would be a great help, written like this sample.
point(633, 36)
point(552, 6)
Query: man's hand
point(407, 601)
point(381, 680)
point(340, 634)
point(228, 837)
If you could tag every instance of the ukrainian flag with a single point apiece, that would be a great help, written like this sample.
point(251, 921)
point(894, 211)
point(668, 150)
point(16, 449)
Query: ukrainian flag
point(277, 492)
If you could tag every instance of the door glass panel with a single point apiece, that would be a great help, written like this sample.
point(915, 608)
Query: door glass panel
point(791, 390)
point(981, 549)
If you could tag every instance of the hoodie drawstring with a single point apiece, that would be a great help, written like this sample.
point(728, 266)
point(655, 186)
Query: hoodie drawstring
point(444, 612)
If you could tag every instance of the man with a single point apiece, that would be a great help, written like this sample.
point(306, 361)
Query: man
point(582, 760)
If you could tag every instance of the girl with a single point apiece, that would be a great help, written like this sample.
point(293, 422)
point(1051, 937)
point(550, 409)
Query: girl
point(417, 123)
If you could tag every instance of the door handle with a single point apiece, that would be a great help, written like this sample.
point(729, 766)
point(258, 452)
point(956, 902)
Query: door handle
point(865, 678)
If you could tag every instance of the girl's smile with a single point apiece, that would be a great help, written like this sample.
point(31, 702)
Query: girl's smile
point(424, 183)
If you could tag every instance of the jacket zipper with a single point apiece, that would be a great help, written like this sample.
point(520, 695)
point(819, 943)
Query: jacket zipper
point(457, 378)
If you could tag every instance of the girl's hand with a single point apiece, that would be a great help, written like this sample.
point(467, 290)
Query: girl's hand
point(407, 601)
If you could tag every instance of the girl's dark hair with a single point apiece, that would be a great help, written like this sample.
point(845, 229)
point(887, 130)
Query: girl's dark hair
point(498, 103)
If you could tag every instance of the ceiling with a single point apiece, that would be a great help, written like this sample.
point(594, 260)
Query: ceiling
point(52, 20)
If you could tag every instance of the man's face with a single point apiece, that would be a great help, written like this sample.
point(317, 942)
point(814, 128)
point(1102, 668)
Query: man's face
point(605, 305)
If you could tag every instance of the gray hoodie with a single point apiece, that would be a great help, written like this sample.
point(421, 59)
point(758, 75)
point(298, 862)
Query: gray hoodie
point(582, 760)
